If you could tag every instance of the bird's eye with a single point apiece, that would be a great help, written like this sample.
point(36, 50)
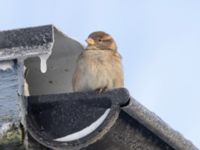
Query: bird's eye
point(100, 40)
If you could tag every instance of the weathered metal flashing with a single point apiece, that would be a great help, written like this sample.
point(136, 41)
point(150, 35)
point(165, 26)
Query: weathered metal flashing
point(26, 42)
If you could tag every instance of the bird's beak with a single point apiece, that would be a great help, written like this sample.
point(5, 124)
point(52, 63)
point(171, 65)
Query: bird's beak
point(90, 41)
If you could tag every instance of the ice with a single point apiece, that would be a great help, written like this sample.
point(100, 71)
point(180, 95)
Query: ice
point(43, 62)
point(5, 65)
point(26, 87)
point(8, 126)
point(5, 128)
point(85, 131)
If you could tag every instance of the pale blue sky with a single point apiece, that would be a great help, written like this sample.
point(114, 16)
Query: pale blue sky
point(159, 41)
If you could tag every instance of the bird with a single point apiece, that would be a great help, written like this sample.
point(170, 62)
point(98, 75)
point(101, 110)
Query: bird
point(99, 66)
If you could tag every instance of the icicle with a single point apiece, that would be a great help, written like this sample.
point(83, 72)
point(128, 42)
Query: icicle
point(43, 62)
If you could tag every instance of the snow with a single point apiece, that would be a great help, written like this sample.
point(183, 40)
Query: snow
point(85, 131)
point(5, 65)
point(5, 128)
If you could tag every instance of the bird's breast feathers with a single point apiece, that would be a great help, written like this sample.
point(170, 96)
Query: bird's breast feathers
point(98, 69)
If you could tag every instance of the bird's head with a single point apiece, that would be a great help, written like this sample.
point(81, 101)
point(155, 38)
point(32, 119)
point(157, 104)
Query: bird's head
point(101, 41)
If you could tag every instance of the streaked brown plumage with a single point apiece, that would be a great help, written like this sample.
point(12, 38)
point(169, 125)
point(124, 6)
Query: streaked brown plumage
point(99, 66)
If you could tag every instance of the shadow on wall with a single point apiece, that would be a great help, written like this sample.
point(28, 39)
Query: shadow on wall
point(60, 67)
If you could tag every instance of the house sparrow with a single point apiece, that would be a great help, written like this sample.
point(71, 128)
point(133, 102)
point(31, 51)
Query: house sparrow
point(99, 66)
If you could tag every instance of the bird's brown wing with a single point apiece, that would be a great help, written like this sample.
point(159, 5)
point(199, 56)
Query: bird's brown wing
point(118, 75)
point(76, 75)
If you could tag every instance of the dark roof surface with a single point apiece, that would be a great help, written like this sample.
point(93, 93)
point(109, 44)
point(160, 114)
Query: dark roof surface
point(26, 42)
point(155, 124)
point(135, 128)
point(26, 37)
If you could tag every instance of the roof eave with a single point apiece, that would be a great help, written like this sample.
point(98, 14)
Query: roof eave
point(155, 124)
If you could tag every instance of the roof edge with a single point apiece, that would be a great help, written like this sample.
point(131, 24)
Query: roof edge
point(26, 42)
point(155, 124)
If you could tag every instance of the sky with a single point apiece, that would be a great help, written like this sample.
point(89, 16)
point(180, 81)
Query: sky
point(159, 41)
